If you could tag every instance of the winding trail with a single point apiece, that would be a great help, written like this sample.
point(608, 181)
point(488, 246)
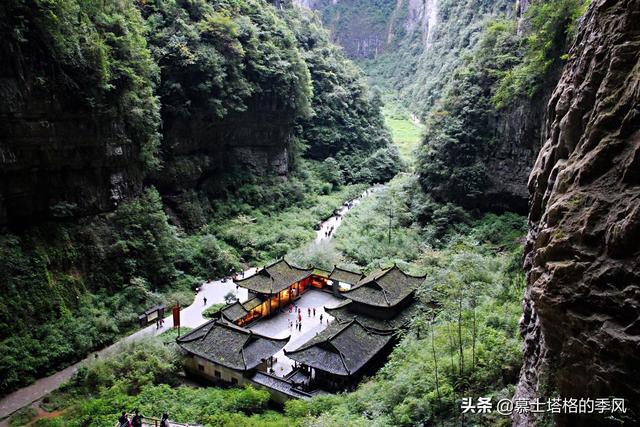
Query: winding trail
point(190, 316)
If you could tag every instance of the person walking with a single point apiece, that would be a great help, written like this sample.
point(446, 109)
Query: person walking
point(164, 422)
point(136, 421)
point(314, 312)
point(205, 300)
point(321, 318)
point(308, 312)
point(123, 420)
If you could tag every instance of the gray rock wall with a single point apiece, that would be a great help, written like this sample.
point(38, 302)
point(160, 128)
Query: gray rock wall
point(581, 320)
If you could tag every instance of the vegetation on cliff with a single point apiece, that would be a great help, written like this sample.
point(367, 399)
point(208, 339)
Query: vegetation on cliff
point(96, 53)
point(504, 68)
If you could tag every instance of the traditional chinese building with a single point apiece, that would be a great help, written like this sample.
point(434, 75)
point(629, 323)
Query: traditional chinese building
point(363, 331)
point(383, 295)
point(225, 353)
point(338, 357)
point(273, 287)
point(355, 344)
point(343, 280)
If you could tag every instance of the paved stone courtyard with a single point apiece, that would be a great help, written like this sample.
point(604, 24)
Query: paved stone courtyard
point(278, 326)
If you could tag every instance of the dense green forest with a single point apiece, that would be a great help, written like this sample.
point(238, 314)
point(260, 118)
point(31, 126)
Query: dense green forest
point(503, 68)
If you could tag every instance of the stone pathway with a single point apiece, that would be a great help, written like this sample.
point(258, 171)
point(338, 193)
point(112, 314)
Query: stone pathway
point(328, 228)
point(190, 316)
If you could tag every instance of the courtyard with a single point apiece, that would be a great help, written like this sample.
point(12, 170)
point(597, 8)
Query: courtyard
point(279, 326)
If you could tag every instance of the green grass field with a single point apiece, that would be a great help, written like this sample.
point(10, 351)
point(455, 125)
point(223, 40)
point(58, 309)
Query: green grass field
point(406, 134)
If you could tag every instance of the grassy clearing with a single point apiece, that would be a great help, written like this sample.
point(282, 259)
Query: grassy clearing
point(405, 132)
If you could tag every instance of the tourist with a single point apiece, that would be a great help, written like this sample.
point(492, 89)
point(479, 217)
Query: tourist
point(314, 312)
point(205, 300)
point(321, 318)
point(308, 312)
point(299, 317)
point(136, 421)
point(123, 420)
point(164, 422)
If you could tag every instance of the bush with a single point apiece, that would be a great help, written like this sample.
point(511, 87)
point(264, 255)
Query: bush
point(212, 311)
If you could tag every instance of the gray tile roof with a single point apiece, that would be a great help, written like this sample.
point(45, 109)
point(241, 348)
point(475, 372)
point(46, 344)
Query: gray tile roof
point(346, 276)
point(343, 313)
point(385, 288)
point(229, 345)
point(234, 312)
point(274, 278)
point(342, 348)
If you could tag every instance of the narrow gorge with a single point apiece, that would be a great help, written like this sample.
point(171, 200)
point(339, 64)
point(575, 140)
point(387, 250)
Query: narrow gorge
point(192, 159)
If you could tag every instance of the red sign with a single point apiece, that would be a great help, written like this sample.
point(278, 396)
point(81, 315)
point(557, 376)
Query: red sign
point(176, 316)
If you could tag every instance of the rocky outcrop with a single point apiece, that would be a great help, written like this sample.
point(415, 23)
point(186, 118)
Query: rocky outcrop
point(581, 321)
point(519, 131)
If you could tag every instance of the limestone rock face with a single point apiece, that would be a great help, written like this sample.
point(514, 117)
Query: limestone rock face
point(581, 320)
point(59, 157)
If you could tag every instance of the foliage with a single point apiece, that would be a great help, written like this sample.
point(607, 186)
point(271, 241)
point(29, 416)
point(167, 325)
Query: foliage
point(265, 223)
point(212, 311)
point(465, 345)
point(406, 132)
point(216, 55)
point(131, 366)
point(22, 417)
point(420, 60)
point(459, 136)
point(346, 116)
point(100, 53)
point(381, 229)
point(551, 30)
point(86, 283)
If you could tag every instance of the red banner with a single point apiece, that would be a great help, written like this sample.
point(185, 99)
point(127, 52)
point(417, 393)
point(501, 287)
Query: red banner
point(176, 316)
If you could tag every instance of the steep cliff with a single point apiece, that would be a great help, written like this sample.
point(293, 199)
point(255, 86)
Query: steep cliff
point(76, 133)
point(580, 323)
point(361, 27)
point(233, 83)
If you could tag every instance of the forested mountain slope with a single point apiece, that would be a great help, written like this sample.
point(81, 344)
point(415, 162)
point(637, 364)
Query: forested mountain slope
point(131, 131)
point(479, 74)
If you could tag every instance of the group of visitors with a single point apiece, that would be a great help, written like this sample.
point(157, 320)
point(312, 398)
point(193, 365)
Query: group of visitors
point(136, 420)
point(311, 312)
